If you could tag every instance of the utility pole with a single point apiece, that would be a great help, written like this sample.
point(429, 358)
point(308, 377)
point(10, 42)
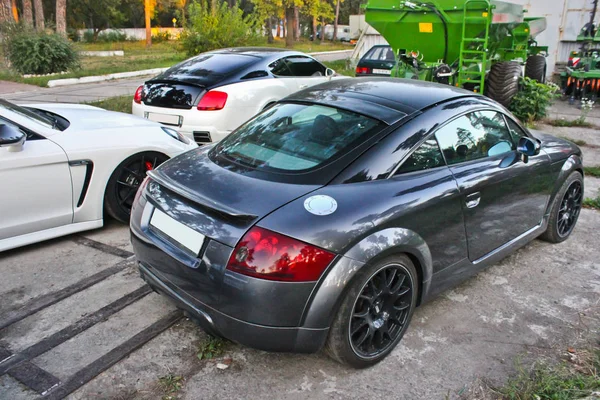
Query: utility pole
point(147, 7)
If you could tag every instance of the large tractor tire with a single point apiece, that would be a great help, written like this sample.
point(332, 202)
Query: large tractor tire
point(535, 68)
point(503, 82)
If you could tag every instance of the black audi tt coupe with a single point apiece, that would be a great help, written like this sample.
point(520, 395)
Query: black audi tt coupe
point(327, 218)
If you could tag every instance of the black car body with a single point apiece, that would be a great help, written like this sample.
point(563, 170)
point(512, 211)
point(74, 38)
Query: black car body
point(449, 209)
point(378, 61)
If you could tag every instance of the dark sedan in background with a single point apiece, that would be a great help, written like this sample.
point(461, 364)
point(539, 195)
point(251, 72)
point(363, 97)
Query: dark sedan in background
point(378, 61)
point(326, 219)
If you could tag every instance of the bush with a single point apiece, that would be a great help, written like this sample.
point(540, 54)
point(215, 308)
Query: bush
point(225, 27)
point(532, 101)
point(40, 53)
point(104, 37)
point(161, 37)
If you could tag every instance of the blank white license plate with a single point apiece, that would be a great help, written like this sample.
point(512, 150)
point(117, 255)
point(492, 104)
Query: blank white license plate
point(382, 71)
point(182, 234)
point(164, 118)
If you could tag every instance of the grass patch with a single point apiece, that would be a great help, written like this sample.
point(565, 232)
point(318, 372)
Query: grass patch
point(578, 142)
point(211, 347)
point(588, 202)
point(170, 384)
point(592, 171)
point(118, 103)
point(570, 123)
point(576, 377)
point(342, 67)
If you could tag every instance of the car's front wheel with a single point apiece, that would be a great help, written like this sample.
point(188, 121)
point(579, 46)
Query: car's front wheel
point(565, 209)
point(125, 181)
point(374, 313)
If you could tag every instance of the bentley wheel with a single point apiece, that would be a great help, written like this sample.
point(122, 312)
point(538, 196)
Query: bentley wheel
point(375, 313)
point(565, 209)
point(125, 181)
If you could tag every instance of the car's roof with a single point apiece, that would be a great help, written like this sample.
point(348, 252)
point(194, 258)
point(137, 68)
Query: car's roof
point(387, 99)
point(256, 51)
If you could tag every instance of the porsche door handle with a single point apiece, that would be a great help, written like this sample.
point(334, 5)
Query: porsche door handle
point(303, 86)
point(473, 200)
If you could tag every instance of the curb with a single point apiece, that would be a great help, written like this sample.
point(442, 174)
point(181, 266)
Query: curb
point(101, 78)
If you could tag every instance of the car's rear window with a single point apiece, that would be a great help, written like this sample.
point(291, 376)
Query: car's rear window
point(206, 65)
point(296, 137)
point(380, 54)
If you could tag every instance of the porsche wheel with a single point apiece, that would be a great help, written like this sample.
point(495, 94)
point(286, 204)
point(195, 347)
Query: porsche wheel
point(375, 313)
point(565, 209)
point(125, 181)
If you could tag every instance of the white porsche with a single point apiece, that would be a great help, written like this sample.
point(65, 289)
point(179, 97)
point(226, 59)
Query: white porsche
point(208, 96)
point(63, 166)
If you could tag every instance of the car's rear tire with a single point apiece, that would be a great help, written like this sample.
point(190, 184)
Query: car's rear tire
point(374, 313)
point(503, 82)
point(124, 182)
point(565, 209)
point(535, 68)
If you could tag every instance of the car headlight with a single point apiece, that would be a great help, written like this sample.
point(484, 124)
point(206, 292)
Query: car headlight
point(175, 135)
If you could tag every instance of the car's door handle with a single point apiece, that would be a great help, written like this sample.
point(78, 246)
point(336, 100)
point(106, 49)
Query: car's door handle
point(473, 200)
point(303, 86)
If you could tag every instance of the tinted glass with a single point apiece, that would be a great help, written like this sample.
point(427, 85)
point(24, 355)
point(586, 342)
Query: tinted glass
point(304, 66)
point(281, 67)
point(473, 136)
point(515, 131)
point(207, 66)
point(427, 155)
point(380, 54)
point(296, 137)
point(24, 112)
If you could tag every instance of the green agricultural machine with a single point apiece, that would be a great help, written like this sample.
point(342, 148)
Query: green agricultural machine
point(582, 77)
point(480, 45)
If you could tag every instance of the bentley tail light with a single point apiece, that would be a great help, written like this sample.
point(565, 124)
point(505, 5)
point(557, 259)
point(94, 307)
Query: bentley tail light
point(212, 101)
point(269, 255)
point(137, 97)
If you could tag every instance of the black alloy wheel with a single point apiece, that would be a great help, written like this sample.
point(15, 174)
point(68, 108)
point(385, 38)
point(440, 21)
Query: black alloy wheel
point(381, 311)
point(125, 182)
point(570, 206)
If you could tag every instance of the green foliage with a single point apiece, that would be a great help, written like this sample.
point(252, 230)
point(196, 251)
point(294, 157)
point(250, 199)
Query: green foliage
point(592, 202)
point(161, 37)
point(213, 29)
point(211, 348)
point(104, 37)
point(592, 171)
point(570, 123)
point(40, 53)
point(532, 101)
point(569, 380)
point(170, 384)
point(342, 67)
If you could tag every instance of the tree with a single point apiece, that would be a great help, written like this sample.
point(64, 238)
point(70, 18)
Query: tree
point(96, 15)
point(39, 15)
point(337, 16)
point(265, 11)
point(319, 11)
point(61, 17)
point(5, 11)
point(27, 12)
point(148, 11)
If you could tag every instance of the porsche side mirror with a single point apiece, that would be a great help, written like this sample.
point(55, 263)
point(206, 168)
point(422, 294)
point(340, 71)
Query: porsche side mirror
point(11, 137)
point(329, 72)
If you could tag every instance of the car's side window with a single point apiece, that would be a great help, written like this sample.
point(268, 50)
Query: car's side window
point(515, 130)
point(305, 66)
point(426, 156)
point(281, 68)
point(475, 135)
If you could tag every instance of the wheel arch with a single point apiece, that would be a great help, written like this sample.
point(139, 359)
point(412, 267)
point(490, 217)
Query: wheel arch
point(331, 289)
point(571, 164)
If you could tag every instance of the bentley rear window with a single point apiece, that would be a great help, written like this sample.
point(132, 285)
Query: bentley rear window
point(296, 137)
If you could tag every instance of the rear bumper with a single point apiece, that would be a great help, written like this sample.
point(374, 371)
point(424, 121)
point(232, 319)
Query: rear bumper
point(269, 338)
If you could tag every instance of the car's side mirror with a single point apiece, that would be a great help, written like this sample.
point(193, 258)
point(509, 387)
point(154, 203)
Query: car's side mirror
point(11, 137)
point(329, 72)
point(528, 146)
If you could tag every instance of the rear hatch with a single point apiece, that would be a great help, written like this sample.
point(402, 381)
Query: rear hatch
point(182, 85)
point(377, 61)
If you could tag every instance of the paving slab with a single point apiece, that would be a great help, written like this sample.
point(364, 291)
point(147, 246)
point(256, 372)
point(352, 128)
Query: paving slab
point(11, 389)
point(54, 318)
point(113, 233)
point(14, 87)
point(103, 337)
point(41, 268)
point(562, 109)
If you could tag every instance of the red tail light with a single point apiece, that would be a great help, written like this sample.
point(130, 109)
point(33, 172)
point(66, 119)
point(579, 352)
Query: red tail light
point(270, 255)
point(137, 97)
point(213, 100)
point(363, 70)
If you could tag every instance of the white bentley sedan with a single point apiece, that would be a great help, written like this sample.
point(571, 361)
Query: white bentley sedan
point(208, 96)
point(64, 166)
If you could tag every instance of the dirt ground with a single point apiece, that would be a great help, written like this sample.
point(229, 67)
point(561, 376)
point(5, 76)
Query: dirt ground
point(531, 305)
